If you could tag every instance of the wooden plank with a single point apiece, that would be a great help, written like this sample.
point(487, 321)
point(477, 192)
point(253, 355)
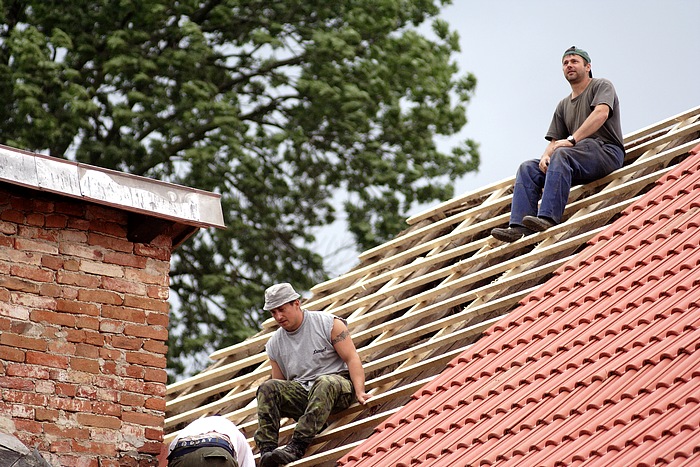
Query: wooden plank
point(454, 203)
point(438, 225)
point(626, 170)
point(216, 406)
point(498, 268)
point(257, 341)
point(189, 415)
point(654, 127)
point(438, 307)
point(405, 372)
point(360, 424)
point(326, 456)
point(454, 319)
point(683, 131)
point(661, 140)
point(218, 372)
point(413, 252)
point(208, 391)
point(429, 295)
point(234, 416)
point(442, 325)
point(376, 400)
point(212, 407)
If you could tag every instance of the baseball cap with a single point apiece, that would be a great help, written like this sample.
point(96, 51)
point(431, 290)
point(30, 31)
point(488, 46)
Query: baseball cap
point(279, 294)
point(573, 50)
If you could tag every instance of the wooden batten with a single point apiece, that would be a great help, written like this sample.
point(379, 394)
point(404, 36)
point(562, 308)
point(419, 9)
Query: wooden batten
point(421, 299)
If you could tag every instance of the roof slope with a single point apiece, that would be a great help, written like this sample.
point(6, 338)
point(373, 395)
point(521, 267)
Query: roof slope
point(418, 301)
point(599, 366)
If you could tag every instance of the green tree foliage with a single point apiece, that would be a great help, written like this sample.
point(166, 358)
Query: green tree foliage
point(276, 105)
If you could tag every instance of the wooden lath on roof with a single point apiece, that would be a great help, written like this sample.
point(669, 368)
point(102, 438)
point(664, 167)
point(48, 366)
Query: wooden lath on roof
point(419, 300)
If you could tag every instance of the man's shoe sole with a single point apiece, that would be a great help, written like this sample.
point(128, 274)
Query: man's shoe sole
point(510, 234)
point(537, 224)
point(505, 236)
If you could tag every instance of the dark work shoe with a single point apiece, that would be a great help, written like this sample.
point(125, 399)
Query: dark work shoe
point(266, 460)
point(511, 234)
point(538, 224)
point(290, 453)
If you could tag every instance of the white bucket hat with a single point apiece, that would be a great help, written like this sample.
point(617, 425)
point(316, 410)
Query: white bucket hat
point(279, 294)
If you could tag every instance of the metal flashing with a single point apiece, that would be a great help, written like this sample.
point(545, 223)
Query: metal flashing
point(111, 188)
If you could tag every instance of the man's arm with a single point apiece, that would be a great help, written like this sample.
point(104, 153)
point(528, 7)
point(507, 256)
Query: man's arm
point(276, 371)
point(593, 122)
point(342, 342)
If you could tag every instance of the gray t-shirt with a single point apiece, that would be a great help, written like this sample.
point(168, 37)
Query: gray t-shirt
point(307, 353)
point(571, 113)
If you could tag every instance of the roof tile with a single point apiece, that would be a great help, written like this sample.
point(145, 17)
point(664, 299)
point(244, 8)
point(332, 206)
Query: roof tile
point(599, 366)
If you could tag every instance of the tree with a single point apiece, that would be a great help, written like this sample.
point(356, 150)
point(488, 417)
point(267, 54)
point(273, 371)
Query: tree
point(274, 105)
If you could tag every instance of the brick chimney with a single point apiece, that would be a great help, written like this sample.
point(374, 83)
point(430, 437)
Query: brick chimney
point(83, 327)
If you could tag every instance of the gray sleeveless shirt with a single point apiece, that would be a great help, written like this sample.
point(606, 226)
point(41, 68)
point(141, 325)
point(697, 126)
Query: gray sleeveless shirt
point(307, 353)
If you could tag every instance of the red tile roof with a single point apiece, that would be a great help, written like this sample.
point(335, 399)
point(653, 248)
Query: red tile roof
point(600, 366)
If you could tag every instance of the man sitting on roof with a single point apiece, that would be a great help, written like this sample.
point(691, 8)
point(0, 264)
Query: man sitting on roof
point(315, 371)
point(585, 144)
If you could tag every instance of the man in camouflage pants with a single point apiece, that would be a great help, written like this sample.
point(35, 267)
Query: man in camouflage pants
point(315, 371)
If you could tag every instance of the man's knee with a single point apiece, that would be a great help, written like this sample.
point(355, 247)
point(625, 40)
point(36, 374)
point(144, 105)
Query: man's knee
point(330, 388)
point(529, 172)
point(270, 388)
point(326, 382)
point(529, 165)
point(561, 157)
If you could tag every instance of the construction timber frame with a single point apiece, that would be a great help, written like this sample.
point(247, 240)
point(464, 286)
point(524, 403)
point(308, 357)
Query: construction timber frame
point(419, 300)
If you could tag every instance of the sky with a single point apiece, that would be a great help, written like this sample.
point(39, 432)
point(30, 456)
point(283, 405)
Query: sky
point(649, 49)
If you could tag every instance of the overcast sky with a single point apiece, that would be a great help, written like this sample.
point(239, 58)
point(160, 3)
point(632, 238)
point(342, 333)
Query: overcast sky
point(649, 49)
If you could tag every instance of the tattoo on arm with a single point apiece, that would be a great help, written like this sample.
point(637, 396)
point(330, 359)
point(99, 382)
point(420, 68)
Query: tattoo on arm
point(340, 337)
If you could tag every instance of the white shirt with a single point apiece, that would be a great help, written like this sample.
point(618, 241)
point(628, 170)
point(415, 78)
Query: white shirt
point(223, 426)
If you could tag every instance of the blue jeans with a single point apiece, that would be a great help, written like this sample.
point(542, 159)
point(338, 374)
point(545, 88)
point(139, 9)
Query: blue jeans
point(589, 160)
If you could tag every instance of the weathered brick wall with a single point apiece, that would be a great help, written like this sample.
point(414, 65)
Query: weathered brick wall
point(83, 331)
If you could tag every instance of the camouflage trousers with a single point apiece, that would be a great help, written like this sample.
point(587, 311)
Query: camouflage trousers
point(279, 398)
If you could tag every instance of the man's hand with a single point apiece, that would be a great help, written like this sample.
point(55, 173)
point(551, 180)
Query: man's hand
point(363, 397)
point(551, 147)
